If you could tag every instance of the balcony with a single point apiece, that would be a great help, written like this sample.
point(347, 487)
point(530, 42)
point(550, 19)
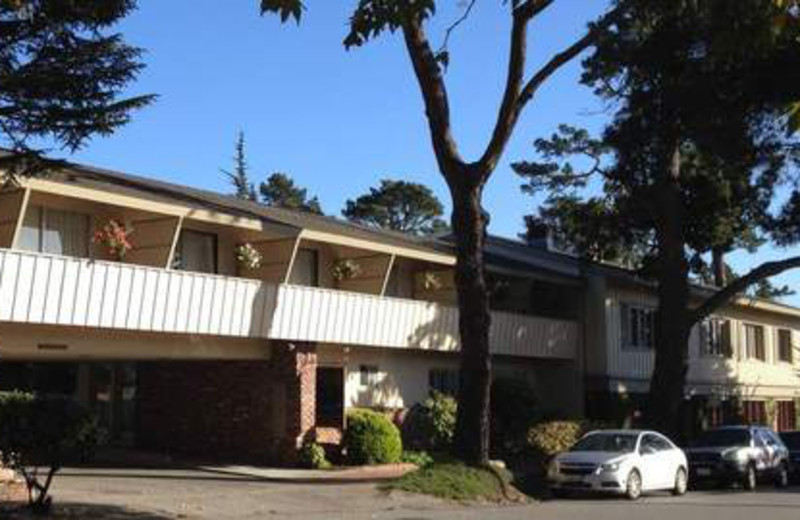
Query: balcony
point(59, 290)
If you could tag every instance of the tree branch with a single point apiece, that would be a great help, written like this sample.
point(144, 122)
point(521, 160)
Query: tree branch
point(509, 107)
point(739, 285)
point(434, 94)
point(461, 19)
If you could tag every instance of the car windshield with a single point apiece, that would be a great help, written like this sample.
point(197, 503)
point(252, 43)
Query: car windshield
point(610, 442)
point(791, 440)
point(718, 438)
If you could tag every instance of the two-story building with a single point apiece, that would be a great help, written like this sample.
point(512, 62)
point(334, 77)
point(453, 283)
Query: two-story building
point(180, 346)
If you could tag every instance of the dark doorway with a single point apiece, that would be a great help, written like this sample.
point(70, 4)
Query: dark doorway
point(330, 397)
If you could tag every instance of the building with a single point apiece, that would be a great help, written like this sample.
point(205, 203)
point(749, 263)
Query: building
point(181, 347)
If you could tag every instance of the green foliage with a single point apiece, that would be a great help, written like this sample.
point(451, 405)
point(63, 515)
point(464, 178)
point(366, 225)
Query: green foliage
point(372, 17)
point(514, 408)
point(420, 458)
point(64, 73)
point(371, 438)
point(453, 481)
point(239, 177)
point(400, 206)
point(43, 432)
point(312, 456)
point(280, 191)
point(430, 425)
point(552, 437)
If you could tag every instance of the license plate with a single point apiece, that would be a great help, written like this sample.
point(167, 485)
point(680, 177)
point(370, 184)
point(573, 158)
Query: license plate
point(704, 472)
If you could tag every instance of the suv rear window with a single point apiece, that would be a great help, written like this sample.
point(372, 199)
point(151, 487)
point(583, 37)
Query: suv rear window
point(724, 437)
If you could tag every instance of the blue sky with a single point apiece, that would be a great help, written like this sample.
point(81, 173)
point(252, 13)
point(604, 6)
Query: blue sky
point(336, 121)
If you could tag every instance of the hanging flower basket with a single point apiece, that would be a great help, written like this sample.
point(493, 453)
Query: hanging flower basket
point(432, 281)
point(113, 236)
point(248, 256)
point(345, 269)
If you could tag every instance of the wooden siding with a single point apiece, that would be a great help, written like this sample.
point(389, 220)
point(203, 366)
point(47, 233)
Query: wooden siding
point(58, 290)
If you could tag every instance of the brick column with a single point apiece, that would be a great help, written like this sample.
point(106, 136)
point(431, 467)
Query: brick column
point(295, 364)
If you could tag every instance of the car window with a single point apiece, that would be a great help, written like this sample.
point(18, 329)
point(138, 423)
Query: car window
point(609, 442)
point(791, 440)
point(723, 438)
point(772, 438)
point(653, 443)
point(661, 444)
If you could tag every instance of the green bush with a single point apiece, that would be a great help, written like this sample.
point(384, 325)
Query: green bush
point(312, 456)
point(430, 425)
point(43, 432)
point(552, 437)
point(514, 408)
point(371, 438)
point(454, 481)
point(419, 458)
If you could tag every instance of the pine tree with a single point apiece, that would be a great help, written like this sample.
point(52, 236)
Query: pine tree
point(239, 178)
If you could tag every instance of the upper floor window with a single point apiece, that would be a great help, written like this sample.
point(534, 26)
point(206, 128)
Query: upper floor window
point(196, 251)
point(785, 345)
point(305, 268)
point(56, 232)
point(638, 327)
point(444, 381)
point(716, 340)
point(753, 338)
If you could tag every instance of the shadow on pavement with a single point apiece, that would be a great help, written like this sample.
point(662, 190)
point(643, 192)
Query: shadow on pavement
point(73, 511)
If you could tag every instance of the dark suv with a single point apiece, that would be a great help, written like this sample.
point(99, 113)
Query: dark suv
point(742, 454)
point(792, 442)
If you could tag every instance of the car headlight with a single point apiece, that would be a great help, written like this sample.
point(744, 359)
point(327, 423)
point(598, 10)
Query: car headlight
point(610, 467)
point(735, 456)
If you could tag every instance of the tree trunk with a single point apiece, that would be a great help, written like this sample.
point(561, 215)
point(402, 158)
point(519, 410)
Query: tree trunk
point(665, 400)
point(718, 266)
point(471, 442)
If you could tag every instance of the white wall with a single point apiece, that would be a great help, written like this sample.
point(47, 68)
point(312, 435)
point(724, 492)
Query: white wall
point(770, 377)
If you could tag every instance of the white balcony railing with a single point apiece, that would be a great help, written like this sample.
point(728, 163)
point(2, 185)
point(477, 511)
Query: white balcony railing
point(58, 290)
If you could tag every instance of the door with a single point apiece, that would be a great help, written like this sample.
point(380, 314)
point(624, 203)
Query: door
point(330, 397)
point(658, 467)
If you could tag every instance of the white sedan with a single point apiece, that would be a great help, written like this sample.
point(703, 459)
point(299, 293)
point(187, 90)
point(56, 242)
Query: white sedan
point(628, 462)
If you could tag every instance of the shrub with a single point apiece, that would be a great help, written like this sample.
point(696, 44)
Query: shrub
point(419, 458)
point(312, 456)
point(430, 425)
point(514, 408)
point(552, 437)
point(43, 432)
point(371, 438)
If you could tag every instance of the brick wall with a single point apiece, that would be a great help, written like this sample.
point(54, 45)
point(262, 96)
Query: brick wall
point(256, 411)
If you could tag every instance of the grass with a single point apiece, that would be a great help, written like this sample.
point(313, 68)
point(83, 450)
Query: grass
point(453, 481)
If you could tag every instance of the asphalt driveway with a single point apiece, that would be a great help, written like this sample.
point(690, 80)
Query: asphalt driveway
point(148, 494)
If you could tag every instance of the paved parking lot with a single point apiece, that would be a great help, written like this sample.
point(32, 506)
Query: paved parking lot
point(196, 494)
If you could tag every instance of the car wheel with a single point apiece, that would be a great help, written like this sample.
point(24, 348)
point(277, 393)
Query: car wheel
point(681, 482)
point(750, 480)
point(633, 486)
point(782, 476)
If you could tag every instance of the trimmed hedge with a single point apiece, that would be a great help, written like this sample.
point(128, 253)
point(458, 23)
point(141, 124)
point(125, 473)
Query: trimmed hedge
point(371, 438)
point(429, 426)
point(552, 437)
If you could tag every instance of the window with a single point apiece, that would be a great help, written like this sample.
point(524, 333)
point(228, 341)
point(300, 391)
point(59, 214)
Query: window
point(755, 412)
point(305, 268)
point(368, 375)
point(330, 396)
point(46, 230)
point(196, 252)
point(717, 340)
point(653, 444)
point(754, 342)
point(444, 381)
point(785, 345)
point(638, 327)
point(787, 418)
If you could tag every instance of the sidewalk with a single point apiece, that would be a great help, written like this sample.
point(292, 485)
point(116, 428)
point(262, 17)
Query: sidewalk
point(311, 476)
